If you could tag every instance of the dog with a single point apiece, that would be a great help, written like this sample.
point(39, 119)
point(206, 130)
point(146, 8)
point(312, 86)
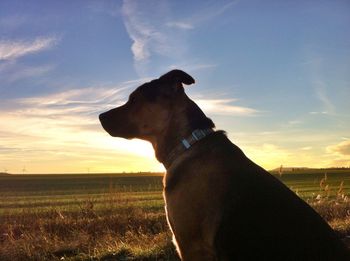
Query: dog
point(219, 204)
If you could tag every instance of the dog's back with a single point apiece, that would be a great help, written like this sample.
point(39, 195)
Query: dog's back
point(262, 219)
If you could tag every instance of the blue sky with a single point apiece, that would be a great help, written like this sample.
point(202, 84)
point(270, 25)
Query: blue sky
point(273, 74)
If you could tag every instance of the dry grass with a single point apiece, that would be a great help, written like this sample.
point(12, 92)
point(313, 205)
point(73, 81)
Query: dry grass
point(125, 234)
point(117, 224)
point(337, 214)
point(86, 235)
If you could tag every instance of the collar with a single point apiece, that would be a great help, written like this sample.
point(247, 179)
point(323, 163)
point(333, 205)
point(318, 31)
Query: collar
point(186, 144)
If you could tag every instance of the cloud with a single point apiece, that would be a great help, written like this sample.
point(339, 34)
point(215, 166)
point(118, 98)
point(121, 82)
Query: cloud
point(208, 12)
point(317, 112)
point(315, 67)
point(155, 32)
point(145, 23)
point(72, 109)
point(338, 155)
point(142, 30)
point(201, 15)
point(224, 107)
point(271, 155)
point(180, 25)
point(88, 102)
point(342, 148)
point(60, 132)
point(294, 122)
point(83, 103)
point(293, 147)
point(320, 90)
point(10, 50)
point(13, 71)
point(268, 155)
point(341, 162)
point(306, 148)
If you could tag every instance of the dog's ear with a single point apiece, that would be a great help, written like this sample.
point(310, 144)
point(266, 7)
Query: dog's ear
point(177, 76)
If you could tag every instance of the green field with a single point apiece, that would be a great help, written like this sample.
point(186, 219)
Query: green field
point(121, 216)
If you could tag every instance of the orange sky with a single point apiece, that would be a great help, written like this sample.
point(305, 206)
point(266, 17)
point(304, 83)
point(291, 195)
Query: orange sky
point(273, 74)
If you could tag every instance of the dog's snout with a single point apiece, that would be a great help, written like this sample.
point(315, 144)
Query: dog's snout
point(117, 124)
point(105, 121)
point(102, 116)
point(106, 118)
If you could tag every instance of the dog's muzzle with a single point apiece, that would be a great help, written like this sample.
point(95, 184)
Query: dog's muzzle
point(117, 124)
point(103, 119)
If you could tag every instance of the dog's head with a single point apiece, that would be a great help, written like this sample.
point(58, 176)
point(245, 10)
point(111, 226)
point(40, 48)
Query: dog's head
point(149, 109)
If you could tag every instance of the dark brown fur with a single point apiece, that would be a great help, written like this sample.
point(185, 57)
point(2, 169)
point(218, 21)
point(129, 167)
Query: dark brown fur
point(220, 205)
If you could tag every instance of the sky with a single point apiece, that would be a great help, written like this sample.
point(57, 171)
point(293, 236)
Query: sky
point(273, 74)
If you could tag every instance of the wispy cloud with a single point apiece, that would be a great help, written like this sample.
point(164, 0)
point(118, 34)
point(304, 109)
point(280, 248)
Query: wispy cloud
point(63, 127)
point(144, 34)
point(41, 131)
point(314, 64)
point(10, 49)
point(224, 107)
point(269, 155)
point(342, 148)
point(85, 102)
point(180, 25)
point(320, 90)
point(340, 154)
point(152, 28)
point(145, 23)
point(317, 112)
point(306, 148)
point(12, 71)
point(295, 122)
point(203, 14)
point(290, 147)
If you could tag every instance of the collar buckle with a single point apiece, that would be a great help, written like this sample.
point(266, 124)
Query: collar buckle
point(187, 143)
point(198, 134)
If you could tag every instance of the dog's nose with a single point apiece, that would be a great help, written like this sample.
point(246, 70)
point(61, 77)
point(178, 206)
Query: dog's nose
point(102, 116)
point(104, 121)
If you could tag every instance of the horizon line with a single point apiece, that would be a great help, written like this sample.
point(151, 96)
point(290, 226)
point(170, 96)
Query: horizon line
point(160, 172)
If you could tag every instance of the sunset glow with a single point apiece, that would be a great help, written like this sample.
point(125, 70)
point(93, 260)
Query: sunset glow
point(274, 76)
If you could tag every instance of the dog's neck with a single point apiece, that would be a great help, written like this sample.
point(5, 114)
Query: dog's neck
point(183, 121)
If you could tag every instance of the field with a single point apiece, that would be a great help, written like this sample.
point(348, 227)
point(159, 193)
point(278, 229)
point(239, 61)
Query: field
point(121, 216)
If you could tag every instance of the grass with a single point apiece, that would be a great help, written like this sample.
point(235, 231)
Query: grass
point(120, 217)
